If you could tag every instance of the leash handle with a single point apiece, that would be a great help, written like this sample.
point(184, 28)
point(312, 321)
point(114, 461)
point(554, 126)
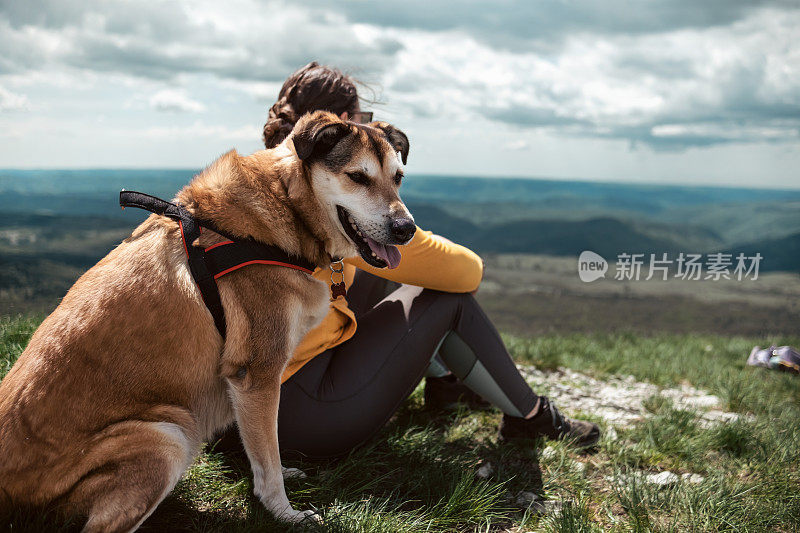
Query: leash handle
point(148, 203)
point(168, 209)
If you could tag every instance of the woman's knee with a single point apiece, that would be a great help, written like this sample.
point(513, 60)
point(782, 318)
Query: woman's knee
point(450, 296)
point(453, 302)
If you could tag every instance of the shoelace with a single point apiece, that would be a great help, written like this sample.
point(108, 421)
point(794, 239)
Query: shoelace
point(559, 422)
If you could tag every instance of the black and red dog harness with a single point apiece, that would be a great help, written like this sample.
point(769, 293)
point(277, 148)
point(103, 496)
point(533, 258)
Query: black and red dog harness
point(209, 264)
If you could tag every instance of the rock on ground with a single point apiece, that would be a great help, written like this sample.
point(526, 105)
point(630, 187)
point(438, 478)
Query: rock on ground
point(619, 400)
point(530, 500)
point(485, 470)
point(662, 479)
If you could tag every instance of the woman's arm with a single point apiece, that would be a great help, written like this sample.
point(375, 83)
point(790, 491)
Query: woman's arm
point(432, 262)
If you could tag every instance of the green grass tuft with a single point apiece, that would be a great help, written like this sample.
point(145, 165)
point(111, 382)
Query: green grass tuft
point(417, 475)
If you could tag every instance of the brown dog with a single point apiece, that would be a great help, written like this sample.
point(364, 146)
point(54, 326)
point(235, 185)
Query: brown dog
point(121, 384)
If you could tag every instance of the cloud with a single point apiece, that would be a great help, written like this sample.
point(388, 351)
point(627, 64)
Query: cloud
point(175, 100)
point(736, 83)
point(200, 129)
point(669, 74)
point(546, 24)
point(531, 116)
point(518, 145)
point(243, 39)
point(683, 135)
point(10, 101)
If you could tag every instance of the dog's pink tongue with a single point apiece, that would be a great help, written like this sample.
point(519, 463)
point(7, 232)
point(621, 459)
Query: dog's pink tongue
point(388, 253)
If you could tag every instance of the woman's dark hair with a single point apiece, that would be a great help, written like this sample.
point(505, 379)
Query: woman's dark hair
point(311, 88)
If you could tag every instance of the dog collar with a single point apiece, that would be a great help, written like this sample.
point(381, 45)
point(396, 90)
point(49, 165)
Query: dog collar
point(209, 264)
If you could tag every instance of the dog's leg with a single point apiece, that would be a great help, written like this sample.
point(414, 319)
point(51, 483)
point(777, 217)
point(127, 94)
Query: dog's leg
point(259, 343)
point(142, 462)
point(256, 408)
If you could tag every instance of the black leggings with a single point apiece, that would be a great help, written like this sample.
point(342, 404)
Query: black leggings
point(345, 395)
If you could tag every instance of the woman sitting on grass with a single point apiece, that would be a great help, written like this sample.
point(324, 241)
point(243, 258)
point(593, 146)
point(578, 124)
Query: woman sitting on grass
point(420, 319)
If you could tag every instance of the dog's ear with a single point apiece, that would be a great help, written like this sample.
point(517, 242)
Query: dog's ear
point(397, 138)
point(317, 135)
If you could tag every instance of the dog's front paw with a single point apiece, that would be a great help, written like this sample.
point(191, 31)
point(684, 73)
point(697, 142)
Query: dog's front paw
point(293, 473)
point(307, 517)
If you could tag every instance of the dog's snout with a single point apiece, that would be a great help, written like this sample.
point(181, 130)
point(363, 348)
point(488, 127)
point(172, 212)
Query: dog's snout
point(403, 229)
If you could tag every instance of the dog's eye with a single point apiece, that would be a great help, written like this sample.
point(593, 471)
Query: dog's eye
point(358, 177)
point(398, 178)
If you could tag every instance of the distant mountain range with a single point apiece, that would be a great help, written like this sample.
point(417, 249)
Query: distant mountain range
point(779, 254)
point(545, 194)
point(606, 236)
point(490, 215)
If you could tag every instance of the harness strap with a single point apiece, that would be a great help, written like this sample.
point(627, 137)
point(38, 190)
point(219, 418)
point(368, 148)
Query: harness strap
point(227, 256)
point(209, 264)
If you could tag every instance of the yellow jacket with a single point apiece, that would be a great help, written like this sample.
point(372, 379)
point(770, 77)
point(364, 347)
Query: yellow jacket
point(428, 261)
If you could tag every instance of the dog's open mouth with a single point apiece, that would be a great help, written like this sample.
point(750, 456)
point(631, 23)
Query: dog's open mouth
point(376, 254)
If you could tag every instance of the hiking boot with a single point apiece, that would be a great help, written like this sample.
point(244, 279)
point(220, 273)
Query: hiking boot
point(449, 393)
point(550, 423)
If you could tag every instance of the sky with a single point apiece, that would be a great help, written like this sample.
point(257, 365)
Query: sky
point(679, 91)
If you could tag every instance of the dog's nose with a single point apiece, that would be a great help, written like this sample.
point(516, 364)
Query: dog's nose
point(403, 229)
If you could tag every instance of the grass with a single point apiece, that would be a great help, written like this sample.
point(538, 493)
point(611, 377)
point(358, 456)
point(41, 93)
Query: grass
point(418, 474)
